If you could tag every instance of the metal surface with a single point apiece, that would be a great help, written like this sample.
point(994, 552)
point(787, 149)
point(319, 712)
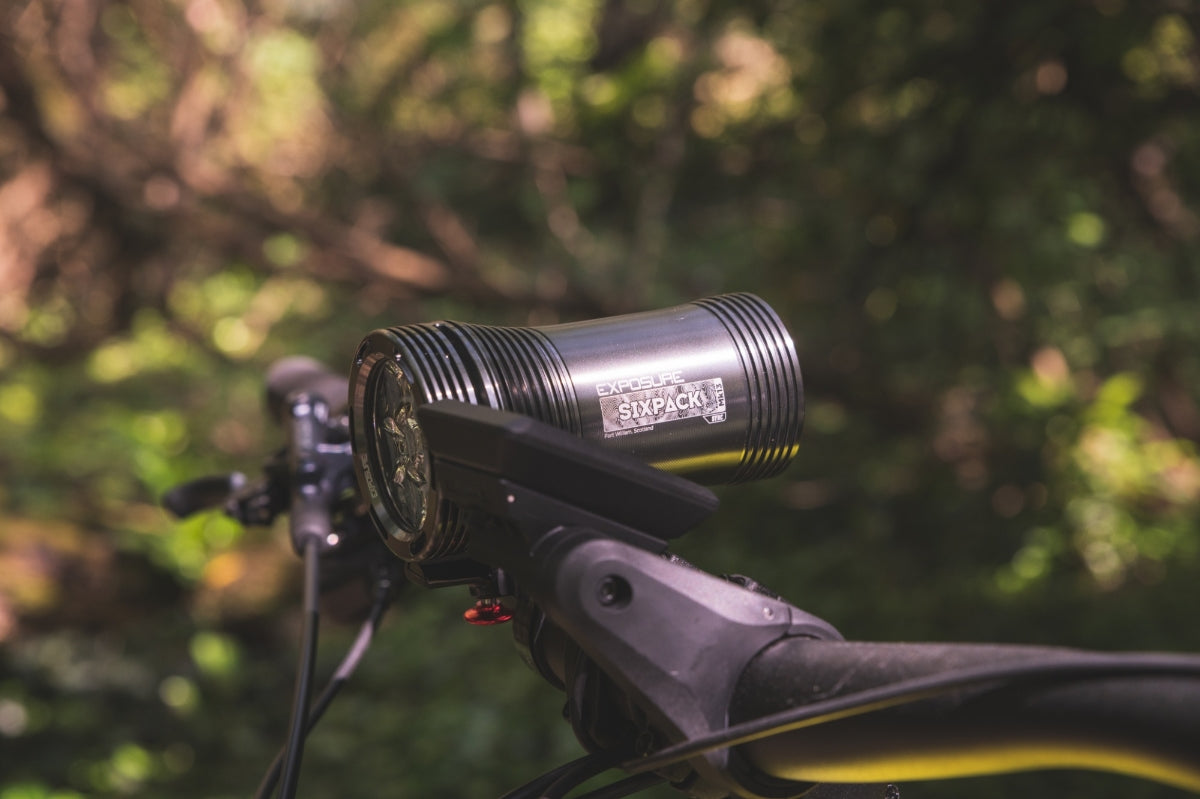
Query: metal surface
point(710, 390)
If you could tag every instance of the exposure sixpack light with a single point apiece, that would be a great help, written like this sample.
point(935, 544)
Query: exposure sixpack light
point(710, 390)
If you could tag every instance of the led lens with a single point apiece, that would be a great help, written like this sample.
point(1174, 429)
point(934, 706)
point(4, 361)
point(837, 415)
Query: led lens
point(400, 448)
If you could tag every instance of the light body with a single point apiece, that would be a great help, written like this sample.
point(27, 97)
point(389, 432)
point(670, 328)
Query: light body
point(710, 390)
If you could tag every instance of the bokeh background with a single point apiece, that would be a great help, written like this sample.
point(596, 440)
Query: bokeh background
point(980, 220)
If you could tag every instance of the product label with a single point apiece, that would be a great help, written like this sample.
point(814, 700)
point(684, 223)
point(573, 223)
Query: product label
point(639, 411)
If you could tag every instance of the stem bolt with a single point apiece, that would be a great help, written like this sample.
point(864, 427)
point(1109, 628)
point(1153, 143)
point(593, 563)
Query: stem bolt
point(614, 592)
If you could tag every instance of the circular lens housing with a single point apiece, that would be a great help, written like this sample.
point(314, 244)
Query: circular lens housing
point(395, 372)
point(390, 449)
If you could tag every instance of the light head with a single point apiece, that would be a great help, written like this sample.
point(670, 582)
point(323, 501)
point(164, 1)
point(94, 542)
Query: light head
point(710, 390)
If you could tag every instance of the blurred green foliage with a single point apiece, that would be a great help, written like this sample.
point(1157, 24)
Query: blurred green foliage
point(980, 221)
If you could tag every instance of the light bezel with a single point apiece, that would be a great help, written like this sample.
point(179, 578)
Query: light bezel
point(377, 356)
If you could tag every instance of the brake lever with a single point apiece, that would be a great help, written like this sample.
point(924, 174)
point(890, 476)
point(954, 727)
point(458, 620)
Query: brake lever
point(204, 493)
point(352, 551)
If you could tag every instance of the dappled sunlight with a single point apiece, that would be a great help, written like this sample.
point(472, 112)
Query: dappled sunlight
point(220, 23)
point(32, 556)
point(1129, 491)
point(557, 38)
point(979, 222)
point(243, 582)
point(1168, 57)
point(281, 127)
point(26, 227)
point(753, 83)
point(150, 346)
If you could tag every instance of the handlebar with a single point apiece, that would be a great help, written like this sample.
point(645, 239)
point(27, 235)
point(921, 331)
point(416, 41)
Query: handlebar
point(970, 710)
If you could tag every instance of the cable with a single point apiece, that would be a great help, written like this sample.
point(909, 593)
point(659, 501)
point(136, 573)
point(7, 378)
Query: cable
point(558, 781)
point(340, 677)
point(584, 769)
point(534, 788)
point(905, 691)
point(298, 727)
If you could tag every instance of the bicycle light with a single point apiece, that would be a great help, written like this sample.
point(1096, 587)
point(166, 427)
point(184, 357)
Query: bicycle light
point(710, 390)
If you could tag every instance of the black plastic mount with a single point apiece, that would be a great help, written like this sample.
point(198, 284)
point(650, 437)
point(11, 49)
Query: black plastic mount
point(603, 487)
point(582, 532)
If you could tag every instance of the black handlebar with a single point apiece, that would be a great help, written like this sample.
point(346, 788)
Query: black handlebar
point(944, 710)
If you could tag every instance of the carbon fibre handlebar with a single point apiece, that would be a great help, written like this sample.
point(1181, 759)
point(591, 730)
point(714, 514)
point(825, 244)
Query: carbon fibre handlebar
point(1133, 714)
